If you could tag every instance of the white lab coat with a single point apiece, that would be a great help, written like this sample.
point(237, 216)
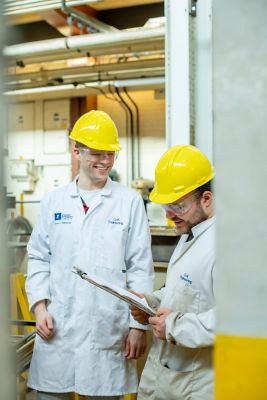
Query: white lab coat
point(180, 368)
point(111, 241)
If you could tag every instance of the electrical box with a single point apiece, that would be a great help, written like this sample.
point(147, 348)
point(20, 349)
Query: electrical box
point(56, 142)
point(24, 172)
point(56, 115)
point(19, 169)
point(20, 127)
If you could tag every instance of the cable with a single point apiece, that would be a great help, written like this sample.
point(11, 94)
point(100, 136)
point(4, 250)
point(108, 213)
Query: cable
point(137, 132)
point(101, 91)
point(128, 108)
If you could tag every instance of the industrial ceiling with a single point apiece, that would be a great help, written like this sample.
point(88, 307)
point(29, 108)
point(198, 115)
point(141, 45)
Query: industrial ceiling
point(87, 52)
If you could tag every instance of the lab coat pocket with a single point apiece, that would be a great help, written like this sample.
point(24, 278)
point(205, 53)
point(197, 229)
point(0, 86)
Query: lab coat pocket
point(110, 328)
point(185, 299)
point(177, 385)
point(111, 244)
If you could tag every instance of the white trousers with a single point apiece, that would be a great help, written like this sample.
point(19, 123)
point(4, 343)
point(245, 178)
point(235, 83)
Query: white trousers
point(66, 396)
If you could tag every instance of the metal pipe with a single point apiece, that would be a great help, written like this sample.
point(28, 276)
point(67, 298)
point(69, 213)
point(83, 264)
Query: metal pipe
point(21, 208)
point(30, 3)
point(128, 147)
point(34, 3)
point(61, 91)
point(137, 133)
point(79, 79)
point(130, 113)
point(114, 95)
point(140, 82)
point(92, 44)
point(28, 202)
point(140, 65)
point(46, 5)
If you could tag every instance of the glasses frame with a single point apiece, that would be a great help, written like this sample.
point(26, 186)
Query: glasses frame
point(98, 155)
point(180, 208)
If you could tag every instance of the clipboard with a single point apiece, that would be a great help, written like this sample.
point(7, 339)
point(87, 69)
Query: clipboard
point(117, 291)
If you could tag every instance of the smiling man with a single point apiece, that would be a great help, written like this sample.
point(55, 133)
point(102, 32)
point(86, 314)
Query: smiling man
point(179, 364)
point(87, 341)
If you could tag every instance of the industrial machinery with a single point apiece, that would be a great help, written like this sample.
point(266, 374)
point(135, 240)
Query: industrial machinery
point(144, 187)
point(22, 345)
point(18, 233)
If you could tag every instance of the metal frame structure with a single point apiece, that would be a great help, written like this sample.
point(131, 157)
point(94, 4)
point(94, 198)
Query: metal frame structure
point(188, 66)
point(92, 24)
point(177, 72)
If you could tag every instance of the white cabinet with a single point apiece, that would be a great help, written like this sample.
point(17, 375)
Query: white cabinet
point(20, 126)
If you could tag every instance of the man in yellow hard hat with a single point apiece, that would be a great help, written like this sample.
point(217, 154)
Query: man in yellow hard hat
point(179, 365)
point(87, 341)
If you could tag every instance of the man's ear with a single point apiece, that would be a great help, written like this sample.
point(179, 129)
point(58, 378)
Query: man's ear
point(76, 153)
point(207, 198)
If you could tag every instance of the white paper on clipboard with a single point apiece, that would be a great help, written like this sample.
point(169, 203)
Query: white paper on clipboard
point(117, 291)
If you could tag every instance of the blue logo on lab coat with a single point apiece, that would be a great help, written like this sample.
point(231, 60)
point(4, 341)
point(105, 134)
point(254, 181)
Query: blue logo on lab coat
point(185, 277)
point(61, 218)
point(115, 221)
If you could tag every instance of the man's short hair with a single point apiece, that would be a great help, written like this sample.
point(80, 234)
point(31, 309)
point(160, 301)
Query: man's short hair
point(201, 189)
point(79, 145)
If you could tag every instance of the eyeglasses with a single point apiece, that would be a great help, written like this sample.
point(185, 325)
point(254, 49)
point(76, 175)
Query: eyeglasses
point(97, 155)
point(179, 208)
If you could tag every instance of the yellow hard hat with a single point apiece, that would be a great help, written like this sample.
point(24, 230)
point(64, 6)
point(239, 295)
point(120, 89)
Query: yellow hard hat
point(179, 171)
point(96, 130)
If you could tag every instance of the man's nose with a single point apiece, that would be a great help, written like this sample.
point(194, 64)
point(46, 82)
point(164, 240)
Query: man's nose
point(170, 214)
point(104, 156)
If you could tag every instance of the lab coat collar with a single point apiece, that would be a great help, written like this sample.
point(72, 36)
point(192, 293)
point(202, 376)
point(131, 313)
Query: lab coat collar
point(183, 245)
point(106, 190)
point(202, 227)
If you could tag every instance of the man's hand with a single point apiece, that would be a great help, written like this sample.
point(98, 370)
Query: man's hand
point(139, 315)
point(135, 344)
point(158, 323)
point(44, 321)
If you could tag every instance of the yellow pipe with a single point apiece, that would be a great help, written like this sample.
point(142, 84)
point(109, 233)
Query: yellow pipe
point(22, 204)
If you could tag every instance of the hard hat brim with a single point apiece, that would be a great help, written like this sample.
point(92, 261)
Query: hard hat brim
point(97, 146)
point(168, 198)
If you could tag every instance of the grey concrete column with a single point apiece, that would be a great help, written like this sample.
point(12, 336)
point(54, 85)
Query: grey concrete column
point(7, 377)
point(240, 127)
point(177, 72)
point(203, 78)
